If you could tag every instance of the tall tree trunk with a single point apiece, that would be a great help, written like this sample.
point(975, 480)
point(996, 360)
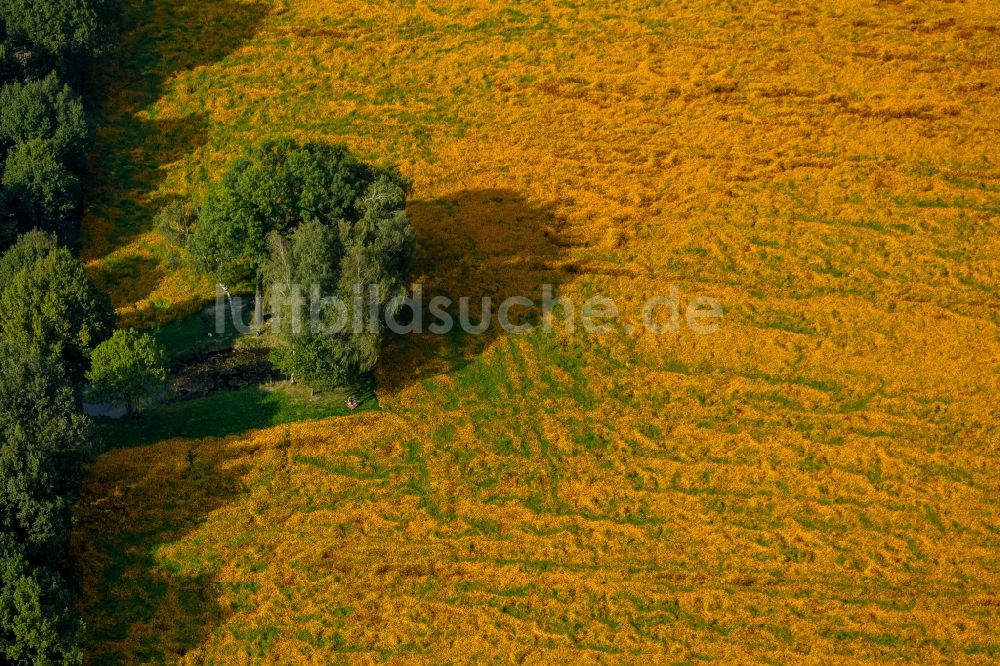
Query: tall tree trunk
point(258, 301)
point(229, 301)
point(236, 312)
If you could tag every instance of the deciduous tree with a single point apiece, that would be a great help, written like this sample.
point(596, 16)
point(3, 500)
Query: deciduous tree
point(60, 34)
point(273, 188)
point(51, 310)
point(368, 257)
point(44, 444)
point(37, 622)
point(41, 192)
point(128, 368)
point(47, 110)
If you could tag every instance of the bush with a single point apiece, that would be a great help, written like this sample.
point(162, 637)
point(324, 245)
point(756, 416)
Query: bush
point(129, 368)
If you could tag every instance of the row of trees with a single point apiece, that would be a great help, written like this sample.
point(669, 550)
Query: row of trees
point(44, 443)
point(56, 336)
point(53, 317)
point(44, 47)
point(311, 215)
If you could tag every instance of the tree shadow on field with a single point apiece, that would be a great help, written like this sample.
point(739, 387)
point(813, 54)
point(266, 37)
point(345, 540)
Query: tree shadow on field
point(148, 595)
point(133, 147)
point(476, 244)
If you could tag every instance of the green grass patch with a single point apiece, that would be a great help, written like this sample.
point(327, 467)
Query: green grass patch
point(223, 414)
point(194, 336)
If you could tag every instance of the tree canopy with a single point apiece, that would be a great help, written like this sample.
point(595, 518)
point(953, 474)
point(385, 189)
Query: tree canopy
point(44, 444)
point(337, 262)
point(51, 310)
point(52, 316)
point(128, 368)
point(8, 66)
point(37, 622)
point(58, 34)
point(273, 188)
point(46, 110)
point(29, 248)
point(41, 193)
point(43, 126)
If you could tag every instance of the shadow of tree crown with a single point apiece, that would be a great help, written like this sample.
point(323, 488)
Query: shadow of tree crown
point(477, 244)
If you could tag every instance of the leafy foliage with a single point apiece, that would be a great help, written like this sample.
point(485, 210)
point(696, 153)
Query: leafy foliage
point(273, 188)
point(37, 621)
point(53, 316)
point(29, 248)
point(43, 126)
point(60, 34)
point(310, 215)
point(46, 110)
point(129, 367)
point(41, 192)
point(44, 443)
point(176, 221)
point(51, 309)
point(368, 257)
point(8, 67)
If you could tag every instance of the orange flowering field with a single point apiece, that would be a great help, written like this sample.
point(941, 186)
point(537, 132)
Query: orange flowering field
point(816, 481)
